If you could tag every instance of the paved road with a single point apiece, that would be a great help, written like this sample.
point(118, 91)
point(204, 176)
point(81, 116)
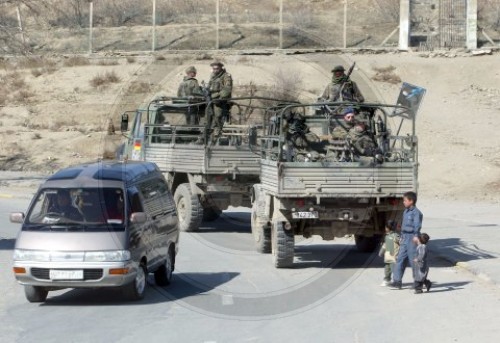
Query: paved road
point(225, 292)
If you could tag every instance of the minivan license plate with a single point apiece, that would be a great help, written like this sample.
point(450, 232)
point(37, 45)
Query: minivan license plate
point(57, 274)
point(305, 215)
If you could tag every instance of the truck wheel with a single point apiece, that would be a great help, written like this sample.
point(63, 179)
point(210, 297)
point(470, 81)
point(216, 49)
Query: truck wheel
point(189, 208)
point(211, 213)
point(137, 288)
point(367, 244)
point(35, 294)
point(260, 231)
point(283, 242)
point(163, 275)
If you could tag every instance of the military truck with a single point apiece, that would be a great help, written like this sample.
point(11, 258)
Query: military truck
point(205, 173)
point(313, 183)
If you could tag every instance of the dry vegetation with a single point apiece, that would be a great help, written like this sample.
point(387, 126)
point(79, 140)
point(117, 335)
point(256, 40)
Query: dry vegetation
point(386, 74)
point(103, 80)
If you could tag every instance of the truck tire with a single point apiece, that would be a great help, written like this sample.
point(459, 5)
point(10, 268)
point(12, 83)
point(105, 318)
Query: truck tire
point(211, 213)
point(283, 242)
point(367, 244)
point(260, 230)
point(35, 294)
point(189, 208)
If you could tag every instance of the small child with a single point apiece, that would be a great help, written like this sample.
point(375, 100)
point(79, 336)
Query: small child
point(420, 266)
point(389, 250)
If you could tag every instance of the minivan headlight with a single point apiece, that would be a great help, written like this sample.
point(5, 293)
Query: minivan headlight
point(31, 255)
point(107, 256)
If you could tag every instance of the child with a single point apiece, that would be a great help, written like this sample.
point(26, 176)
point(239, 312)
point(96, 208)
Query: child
point(420, 267)
point(389, 250)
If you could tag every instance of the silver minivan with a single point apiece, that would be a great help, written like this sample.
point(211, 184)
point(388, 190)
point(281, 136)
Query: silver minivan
point(106, 224)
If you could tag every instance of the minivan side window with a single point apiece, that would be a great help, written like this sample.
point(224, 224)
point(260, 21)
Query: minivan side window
point(135, 201)
point(154, 193)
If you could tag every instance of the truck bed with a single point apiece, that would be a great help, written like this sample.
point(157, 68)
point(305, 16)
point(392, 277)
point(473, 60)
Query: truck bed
point(337, 179)
point(199, 159)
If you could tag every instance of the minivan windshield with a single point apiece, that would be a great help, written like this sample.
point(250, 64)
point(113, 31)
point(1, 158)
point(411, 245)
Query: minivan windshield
point(77, 208)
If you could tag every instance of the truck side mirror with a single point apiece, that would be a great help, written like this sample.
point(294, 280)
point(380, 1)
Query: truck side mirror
point(124, 123)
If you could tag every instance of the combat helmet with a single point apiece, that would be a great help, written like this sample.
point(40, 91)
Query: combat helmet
point(217, 63)
point(190, 69)
point(338, 68)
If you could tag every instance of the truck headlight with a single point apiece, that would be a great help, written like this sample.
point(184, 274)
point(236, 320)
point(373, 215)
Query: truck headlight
point(107, 256)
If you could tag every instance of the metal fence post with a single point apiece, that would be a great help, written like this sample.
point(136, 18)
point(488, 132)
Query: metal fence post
point(20, 21)
point(91, 19)
point(404, 24)
point(345, 24)
point(281, 24)
point(153, 38)
point(217, 25)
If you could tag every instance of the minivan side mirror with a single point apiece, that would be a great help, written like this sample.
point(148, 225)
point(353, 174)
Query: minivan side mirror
point(124, 123)
point(138, 217)
point(17, 217)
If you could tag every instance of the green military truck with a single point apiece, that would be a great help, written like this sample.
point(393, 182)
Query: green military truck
point(206, 174)
point(312, 183)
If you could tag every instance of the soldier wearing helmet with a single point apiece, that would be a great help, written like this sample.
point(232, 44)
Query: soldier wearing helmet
point(342, 88)
point(189, 85)
point(220, 86)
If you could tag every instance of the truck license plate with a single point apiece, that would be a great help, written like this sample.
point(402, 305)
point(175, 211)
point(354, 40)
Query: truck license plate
point(57, 274)
point(305, 215)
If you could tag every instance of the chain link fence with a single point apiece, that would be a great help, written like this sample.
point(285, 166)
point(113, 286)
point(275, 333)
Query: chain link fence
point(80, 26)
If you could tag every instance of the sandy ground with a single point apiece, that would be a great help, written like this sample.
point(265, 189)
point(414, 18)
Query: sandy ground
point(64, 120)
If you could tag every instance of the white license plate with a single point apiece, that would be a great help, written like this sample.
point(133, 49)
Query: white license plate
point(57, 274)
point(305, 215)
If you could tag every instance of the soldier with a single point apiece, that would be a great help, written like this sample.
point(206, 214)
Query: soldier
point(341, 129)
point(361, 141)
point(303, 141)
point(342, 88)
point(220, 87)
point(189, 85)
point(189, 88)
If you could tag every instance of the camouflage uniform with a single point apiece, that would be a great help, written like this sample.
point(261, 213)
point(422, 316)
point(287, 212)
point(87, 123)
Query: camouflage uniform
point(302, 140)
point(189, 87)
point(362, 143)
point(220, 87)
point(350, 91)
point(342, 88)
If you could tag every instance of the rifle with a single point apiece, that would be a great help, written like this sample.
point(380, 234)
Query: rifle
point(346, 78)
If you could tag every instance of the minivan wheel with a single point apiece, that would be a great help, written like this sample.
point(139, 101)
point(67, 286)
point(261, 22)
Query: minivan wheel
point(189, 208)
point(137, 288)
point(35, 294)
point(163, 275)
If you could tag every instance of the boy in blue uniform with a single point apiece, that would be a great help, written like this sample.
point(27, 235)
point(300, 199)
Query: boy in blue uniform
point(410, 227)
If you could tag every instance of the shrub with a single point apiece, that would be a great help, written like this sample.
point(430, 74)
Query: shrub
point(102, 80)
point(75, 61)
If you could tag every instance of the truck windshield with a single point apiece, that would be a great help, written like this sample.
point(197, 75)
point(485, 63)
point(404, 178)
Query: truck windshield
point(88, 207)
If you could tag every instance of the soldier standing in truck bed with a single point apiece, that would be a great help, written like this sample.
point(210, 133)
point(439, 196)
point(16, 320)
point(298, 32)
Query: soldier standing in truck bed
point(342, 88)
point(220, 87)
point(189, 85)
